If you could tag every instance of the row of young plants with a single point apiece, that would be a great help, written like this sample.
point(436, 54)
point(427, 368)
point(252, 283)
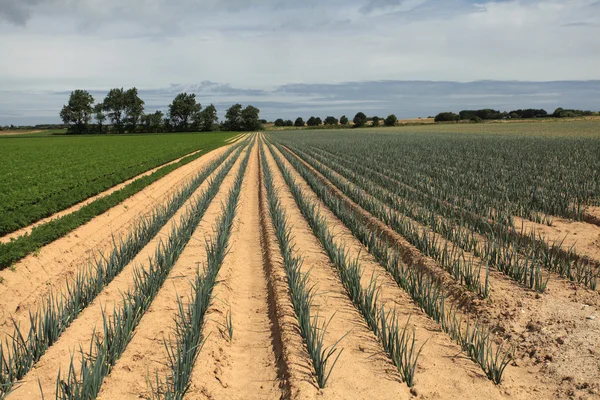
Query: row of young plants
point(450, 258)
point(23, 349)
point(398, 341)
point(519, 255)
point(41, 235)
point(105, 349)
point(509, 174)
point(183, 350)
point(423, 286)
point(300, 291)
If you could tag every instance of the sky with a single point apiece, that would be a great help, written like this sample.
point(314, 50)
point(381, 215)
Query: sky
point(300, 58)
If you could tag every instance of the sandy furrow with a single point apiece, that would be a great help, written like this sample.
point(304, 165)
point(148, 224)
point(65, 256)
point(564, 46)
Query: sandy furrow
point(244, 367)
point(236, 138)
point(27, 230)
point(81, 330)
point(443, 369)
point(32, 278)
point(568, 316)
point(146, 354)
point(361, 370)
point(294, 363)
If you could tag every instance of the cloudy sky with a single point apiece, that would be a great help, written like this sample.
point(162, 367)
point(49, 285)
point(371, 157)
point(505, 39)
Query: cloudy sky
point(290, 58)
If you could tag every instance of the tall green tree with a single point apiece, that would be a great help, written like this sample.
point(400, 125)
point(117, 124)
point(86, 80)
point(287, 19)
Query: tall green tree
point(375, 121)
point(209, 119)
point(312, 121)
point(360, 120)
point(279, 122)
point(152, 123)
point(250, 119)
point(331, 120)
point(134, 109)
point(78, 111)
point(183, 109)
point(233, 118)
point(299, 122)
point(344, 120)
point(114, 104)
point(390, 120)
point(100, 117)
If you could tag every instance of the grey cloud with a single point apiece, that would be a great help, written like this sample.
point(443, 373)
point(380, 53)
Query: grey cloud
point(17, 11)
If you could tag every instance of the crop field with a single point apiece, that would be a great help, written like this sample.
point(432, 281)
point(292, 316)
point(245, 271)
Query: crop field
point(412, 262)
point(43, 175)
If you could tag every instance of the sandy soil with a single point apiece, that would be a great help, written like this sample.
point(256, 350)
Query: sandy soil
point(549, 331)
point(32, 278)
point(76, 207)
point(12, 133)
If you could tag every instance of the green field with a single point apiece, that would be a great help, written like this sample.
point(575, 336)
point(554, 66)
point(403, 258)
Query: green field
point(43, 175)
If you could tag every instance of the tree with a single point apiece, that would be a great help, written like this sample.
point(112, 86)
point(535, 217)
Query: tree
point(209, 119)
point(390, 120)
point(344, 120)
point(312, 121)
point(288, 122)
point(250, 120)
point(331, 121)
point(78, 111)
point(375, 120)
point(360, 119)
point(183, 110)
point(318, 121)
point(152, 122)
point(114, 104)
point(299, 122)
point(134, 109)
point(279, 122)
point(233, 118)
point(446, 117)
point(100, 116)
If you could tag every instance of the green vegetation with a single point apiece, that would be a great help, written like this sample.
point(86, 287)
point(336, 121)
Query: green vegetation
point(41, 178)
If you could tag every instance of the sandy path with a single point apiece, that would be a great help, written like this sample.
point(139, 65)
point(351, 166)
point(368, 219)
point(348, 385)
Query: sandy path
point(80, 332)
point(33, 277)
point(568, 318)
point(78, 206)
point(443, 368)
point(146, 353)
point(236, 138)
point(246, 367)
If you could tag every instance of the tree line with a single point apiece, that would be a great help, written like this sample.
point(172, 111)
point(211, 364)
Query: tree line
point(359, 120)
point(490, 114)
point(123, 111)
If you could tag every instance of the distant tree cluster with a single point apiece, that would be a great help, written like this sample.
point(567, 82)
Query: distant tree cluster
point(359, 120)
point(490, 114)
point(123, 111)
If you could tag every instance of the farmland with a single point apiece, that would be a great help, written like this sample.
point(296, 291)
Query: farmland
point(441, 261)
point(43, 175)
